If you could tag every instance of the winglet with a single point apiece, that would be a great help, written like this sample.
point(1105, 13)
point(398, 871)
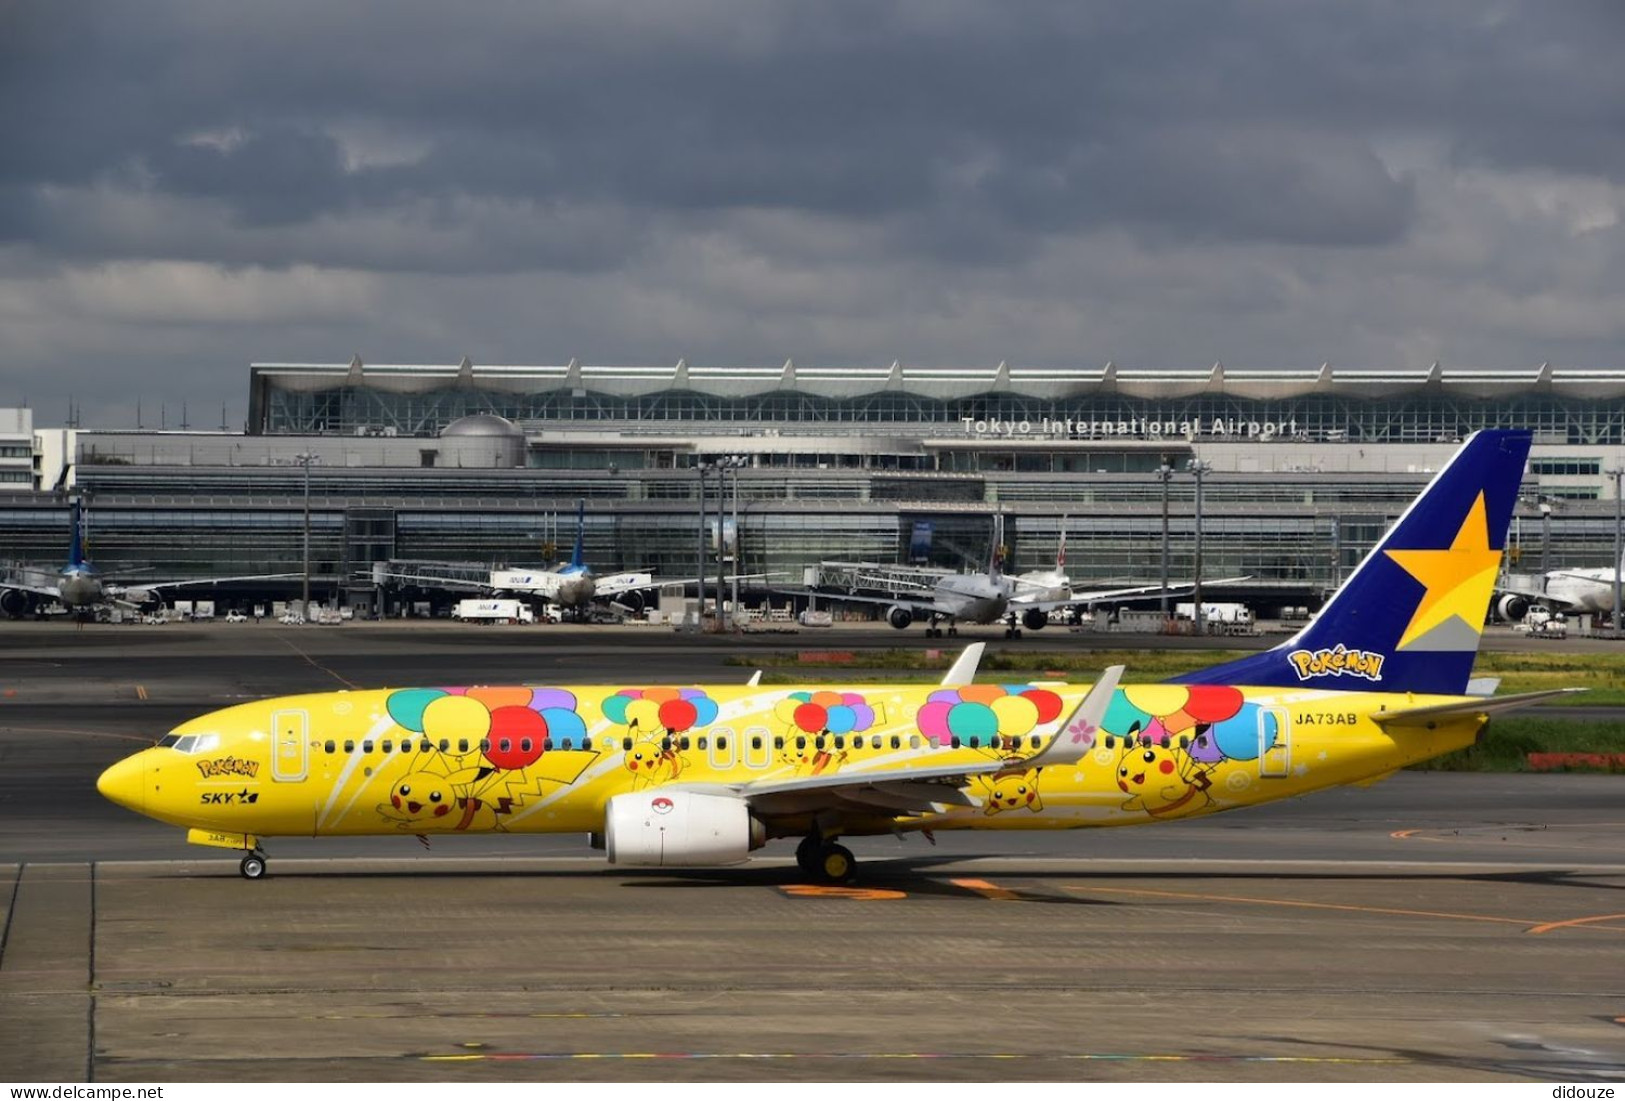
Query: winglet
point(755, 679)
point(963, 670)
point(1077, 735)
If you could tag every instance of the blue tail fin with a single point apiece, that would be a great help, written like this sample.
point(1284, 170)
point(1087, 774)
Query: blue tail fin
point(1408, 619)
point(76, 548)
point(578, 559)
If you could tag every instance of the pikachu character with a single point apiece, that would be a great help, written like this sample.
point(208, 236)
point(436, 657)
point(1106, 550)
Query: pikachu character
point(1008, 791)
point(653, 761)
point(425, 800)
point(1159, 777)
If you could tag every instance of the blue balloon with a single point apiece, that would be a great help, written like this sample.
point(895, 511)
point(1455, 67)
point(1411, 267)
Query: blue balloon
point(1237, 737)
point(562, 724)
point(841, 719)
point(406, 707)
point(705, 710)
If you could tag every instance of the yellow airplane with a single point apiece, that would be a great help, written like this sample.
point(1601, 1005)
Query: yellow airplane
point(690, 776)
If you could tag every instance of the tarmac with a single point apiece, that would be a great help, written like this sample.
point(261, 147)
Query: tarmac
point(1436, 927)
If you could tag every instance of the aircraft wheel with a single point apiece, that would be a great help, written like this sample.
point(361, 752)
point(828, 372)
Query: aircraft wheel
point(1015, 632)
point(836, 863)
point(807, 854)
point(953, 632)
point(253, 866)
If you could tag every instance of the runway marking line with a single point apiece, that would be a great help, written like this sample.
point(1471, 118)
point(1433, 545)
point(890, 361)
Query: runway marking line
point(987, 890)
point(856, 894)
point(318, 665)
point(140, 691)
point(1530, 926)
point(1549, 926)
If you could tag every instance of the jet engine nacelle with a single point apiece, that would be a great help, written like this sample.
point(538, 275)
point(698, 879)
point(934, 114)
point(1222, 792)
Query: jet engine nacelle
point(15, 602)
point(140, 596)
point(1512, 607)
point(667, 827)
point(632, 599)
point(899, 616)
point(1034, 619)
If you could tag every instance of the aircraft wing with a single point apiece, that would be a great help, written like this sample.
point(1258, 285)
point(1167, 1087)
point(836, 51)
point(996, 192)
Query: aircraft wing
point(30, 587)
point(1100, 596)
point(1412, 716)
point(617, 583)
point(123, 588)
point(924, 607)
point(915, 789)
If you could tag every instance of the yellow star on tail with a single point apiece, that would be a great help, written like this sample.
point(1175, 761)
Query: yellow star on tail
point(1459, 579)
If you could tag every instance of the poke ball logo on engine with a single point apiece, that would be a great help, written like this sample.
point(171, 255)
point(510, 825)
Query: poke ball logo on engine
point(661, 805)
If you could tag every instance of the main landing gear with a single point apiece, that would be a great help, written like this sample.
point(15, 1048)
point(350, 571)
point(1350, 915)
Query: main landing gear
point(933, 631)
point(253, 865)
point(1011, 630)
point(825, 860)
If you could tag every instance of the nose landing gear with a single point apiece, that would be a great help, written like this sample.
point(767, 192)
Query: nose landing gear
point(253, 866)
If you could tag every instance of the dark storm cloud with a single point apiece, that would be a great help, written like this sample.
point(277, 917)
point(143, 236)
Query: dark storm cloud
point(1186, 118)
point(1263, 181)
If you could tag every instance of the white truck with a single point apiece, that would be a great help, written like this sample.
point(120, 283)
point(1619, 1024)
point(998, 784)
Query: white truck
point(1220, 618)
point(493, 611)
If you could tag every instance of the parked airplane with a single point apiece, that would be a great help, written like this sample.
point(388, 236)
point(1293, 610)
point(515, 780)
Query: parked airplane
point(1587, 591)
point(686, 776)
point(78, 587)
point(572, 585)
point(1024, 600)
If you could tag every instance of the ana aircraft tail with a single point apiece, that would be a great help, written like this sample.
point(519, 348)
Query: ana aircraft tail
point(1408, 619)
point(76, 546)
point(578, 559)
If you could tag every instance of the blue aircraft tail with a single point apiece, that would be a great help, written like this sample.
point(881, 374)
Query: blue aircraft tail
point(76, 547)
point(578, 559)
point(1408, 619)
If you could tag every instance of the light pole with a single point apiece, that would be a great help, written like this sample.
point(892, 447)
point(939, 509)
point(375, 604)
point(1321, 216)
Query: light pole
point(734, 463)
point(700, 468)
point(1198, 469)
point(1619, 544)
point(304, 459)
point(1164, 472)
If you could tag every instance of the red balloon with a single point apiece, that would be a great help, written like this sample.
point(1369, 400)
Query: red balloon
point(811, 718)
point(1213, 703)
point(678, 714)
point(515, 724)
point(1047, 702)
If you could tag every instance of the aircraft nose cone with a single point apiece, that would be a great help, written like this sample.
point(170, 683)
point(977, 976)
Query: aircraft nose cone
point(125, 783)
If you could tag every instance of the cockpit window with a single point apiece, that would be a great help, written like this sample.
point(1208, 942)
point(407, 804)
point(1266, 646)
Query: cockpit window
point(168, 740)
point(193, 743)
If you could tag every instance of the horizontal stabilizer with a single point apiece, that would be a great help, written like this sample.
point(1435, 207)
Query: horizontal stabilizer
point(1487, 706)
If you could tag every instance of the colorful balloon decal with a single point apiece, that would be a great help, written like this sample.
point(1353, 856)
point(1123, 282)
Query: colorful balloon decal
point(986, 712)
point(672, 709)
point(825, 712)
point(514, 722)
point(1214, 721)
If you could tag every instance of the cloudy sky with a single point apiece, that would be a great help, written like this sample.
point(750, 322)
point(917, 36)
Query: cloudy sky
point(187, 186)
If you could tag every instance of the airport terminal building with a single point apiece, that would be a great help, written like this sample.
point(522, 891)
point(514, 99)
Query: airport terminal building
point(1301, 471)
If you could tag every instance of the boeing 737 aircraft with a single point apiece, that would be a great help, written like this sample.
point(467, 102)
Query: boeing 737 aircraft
point(79, 588)
point(703, 775)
